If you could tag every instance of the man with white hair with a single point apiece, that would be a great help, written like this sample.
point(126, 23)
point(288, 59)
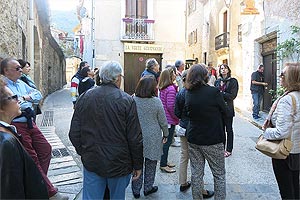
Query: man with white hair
point(179, 64)
point(106, 133)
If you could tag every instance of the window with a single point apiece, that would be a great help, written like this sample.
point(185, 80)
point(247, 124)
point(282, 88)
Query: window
point(240, 33)
point(136, 9)
point(191, 6)
point(225, 22)
point(192, 37)
point(205, 57)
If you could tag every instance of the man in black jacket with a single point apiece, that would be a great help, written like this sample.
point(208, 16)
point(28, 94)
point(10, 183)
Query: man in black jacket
point(257, 90)
point(106, 133)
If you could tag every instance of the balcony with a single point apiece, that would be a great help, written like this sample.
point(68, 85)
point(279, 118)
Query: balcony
point(222, 41)
point(137, 30)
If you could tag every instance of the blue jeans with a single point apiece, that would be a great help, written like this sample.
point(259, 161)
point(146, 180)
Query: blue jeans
point(94, 186)
point(166, 146)
point(257, 98)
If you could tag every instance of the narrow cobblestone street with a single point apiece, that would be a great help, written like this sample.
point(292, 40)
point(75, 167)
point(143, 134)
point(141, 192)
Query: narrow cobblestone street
point(249, 174)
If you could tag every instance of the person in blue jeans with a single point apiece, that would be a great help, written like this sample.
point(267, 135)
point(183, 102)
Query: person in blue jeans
point(106, 133)
point(257, 90)
point(167, 95)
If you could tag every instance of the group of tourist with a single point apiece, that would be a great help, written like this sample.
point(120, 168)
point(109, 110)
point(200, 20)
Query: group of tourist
point(121, 138)
point(160, 106)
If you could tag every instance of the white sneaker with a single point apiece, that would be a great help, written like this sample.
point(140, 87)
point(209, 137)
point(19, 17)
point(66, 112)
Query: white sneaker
point(176, 144)
point(59, 196)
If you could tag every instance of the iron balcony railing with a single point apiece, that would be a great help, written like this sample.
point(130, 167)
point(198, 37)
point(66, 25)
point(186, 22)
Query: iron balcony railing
point(222, 41)
point(137, 29)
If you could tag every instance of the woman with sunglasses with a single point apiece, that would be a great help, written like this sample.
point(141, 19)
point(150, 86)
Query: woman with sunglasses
point(228, 87)
point(283, 121)
point(20, 178)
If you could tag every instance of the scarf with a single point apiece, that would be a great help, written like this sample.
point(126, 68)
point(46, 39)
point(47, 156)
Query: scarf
point(223, 83)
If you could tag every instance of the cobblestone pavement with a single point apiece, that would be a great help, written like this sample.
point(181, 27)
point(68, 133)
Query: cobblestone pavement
point(249, 174)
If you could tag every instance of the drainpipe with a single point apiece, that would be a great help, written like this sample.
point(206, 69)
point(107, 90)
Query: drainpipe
point(30, 37)
point(93, 35)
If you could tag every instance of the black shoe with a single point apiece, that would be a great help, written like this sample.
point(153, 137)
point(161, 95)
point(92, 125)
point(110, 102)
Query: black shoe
point(256, 117)
point(185, 187)
point(153, 190)
point(136, 196)
point(208, 195)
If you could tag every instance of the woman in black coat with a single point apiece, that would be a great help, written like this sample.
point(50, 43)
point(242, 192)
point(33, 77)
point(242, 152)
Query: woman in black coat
point(228, 87)
point(205, 109)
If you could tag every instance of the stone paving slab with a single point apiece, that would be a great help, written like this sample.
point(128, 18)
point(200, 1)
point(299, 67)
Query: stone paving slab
point(62, 165)
point(54, 140)
point(71, 188)
point(70, 195)
point(65, 177)
point(69, 182)
point(62, 159)
point(62, 171)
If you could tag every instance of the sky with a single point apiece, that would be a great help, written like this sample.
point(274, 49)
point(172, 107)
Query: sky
point(63, 4)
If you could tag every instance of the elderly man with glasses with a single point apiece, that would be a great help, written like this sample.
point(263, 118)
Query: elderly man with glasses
point(31, 137)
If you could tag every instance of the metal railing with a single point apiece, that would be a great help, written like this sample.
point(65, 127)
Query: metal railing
point(222, 41)
point(137, 29)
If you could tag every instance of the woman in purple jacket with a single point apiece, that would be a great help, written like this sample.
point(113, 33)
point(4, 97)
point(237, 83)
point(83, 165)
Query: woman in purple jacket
point(167, 95)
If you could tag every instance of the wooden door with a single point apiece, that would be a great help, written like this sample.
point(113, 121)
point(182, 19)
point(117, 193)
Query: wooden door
point(270, 78)
point(134, 65)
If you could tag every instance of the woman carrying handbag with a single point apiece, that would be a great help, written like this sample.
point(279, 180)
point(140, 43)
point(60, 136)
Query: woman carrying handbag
point(283, 121)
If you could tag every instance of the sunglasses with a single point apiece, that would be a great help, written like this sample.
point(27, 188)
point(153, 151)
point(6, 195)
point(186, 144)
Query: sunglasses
point(18, 68)
point(281, 75)
point(14, 97)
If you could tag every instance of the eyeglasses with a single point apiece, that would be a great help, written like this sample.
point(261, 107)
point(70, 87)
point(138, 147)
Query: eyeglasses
point(18, 68)
point(14, 97)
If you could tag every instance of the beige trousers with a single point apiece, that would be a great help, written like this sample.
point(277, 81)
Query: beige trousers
point(184, 160)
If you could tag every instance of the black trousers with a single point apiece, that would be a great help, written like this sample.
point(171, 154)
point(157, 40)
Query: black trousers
point(287, 176)
point(229, 133)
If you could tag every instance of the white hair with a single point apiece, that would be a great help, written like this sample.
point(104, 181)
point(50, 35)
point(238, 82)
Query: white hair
point(178, 63)
point(110, 71)
point(150, 63)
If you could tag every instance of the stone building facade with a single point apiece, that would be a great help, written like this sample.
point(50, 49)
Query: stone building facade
point(225, 35)
point(25, 33)
point(131, 31)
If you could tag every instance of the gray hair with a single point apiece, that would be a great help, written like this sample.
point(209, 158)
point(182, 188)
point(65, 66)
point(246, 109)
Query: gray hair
point(150, 63)
point(178, 63)
point(260, 66)
point(110, 71)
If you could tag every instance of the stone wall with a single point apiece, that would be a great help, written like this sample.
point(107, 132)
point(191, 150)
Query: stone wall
point(12, 16)
point(49, 62)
